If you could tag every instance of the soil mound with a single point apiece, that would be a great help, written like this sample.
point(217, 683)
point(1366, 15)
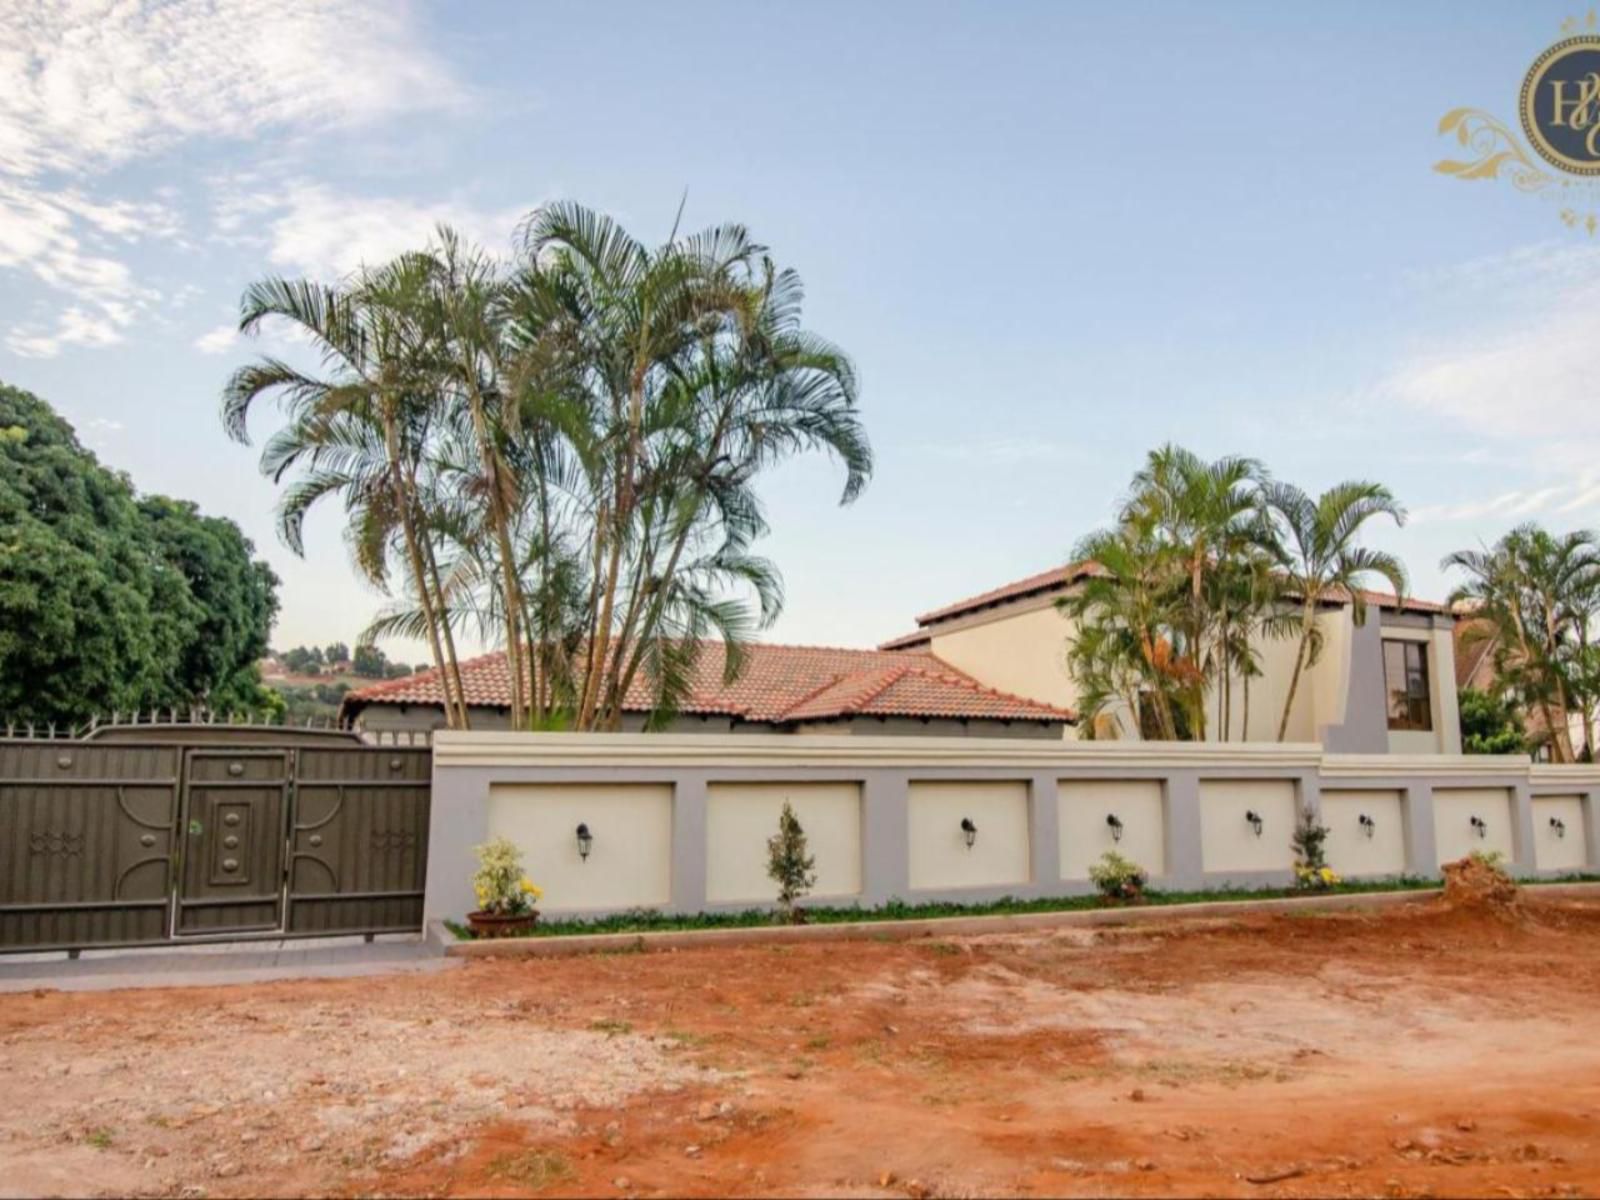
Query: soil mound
point(1474, 884)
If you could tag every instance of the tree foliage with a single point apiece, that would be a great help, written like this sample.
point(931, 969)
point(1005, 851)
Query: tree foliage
point(109, 602)
point(1535, 594)
point(560, 450)
point(1206, 561)
point(1490, 724)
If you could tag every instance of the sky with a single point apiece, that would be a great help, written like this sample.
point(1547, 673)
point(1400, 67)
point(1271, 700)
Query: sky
point(1051, 236)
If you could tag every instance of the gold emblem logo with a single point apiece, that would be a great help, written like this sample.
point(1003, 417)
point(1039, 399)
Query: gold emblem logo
point(1559, 107)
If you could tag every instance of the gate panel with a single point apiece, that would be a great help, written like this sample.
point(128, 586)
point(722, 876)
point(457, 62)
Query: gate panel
point(358, 848)
point(235, 804)
point(86, 842)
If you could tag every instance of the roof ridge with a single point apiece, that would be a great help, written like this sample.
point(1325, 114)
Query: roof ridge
point(961, 679)
point(832, 682)
point(894, 675)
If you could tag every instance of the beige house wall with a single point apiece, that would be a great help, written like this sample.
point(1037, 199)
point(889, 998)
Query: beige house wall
point(1021, 649)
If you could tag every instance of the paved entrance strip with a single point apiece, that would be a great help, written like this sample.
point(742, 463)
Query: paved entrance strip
point(221, 963)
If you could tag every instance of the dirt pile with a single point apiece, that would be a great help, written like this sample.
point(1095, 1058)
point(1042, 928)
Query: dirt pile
point(1478, 885)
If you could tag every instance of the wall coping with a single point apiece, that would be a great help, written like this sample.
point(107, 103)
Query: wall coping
point(466, 748)
point(502, 749)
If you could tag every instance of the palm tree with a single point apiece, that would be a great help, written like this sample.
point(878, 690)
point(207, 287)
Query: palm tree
point(1209, 514)
point(1127, 613)
point(1537, 593)
point(360, 431)
point(1320, 560)
point(693, 375)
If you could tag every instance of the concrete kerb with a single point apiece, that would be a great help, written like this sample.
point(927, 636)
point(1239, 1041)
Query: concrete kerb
point(912, 930)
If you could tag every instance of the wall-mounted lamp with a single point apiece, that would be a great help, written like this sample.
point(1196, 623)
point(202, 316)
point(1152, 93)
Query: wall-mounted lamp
point(969, 831)
point(1255, 820)
point(585, 841)
point(1559, 826)
point(1480, 827)
point(1115, 822)
point(1368, 825)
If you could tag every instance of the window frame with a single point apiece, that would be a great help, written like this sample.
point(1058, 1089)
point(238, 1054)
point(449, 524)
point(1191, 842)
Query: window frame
point(1411, 710)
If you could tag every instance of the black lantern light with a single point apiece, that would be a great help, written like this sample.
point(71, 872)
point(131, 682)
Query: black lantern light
point(1368, 825)
point(1255, 820)
point(585, 841)
point(1115, 822)
point(1480, 827)
point(969, 831)
point(1559, 826)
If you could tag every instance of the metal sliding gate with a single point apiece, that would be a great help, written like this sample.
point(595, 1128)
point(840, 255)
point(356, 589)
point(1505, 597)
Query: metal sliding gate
point(205, 833)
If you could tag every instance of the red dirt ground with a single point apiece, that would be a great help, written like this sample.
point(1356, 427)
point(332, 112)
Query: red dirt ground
point(1427, 1051)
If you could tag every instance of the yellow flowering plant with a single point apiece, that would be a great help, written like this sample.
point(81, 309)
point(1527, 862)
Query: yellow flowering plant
point(499, 884)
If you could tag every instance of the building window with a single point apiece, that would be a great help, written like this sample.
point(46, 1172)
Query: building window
point(1405, 679)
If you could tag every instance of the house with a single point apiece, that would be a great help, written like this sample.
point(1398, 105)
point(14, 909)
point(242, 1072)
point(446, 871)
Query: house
point(1387, 686)
point(995, 664)
point(782, 689)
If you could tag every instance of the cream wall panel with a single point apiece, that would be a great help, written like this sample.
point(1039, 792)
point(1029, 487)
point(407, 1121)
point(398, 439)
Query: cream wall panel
point(630, 864)
point(1453, 810)
point(1566, 851)
point(940, 858)
point(1082, 807)
point(1227, 842)
point(1350, 851)
point(740, 817)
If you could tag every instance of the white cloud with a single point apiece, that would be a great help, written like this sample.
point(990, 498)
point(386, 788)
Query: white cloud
point(218, 341)
point(91, 85)
point(1527, 384)
point(317, 232)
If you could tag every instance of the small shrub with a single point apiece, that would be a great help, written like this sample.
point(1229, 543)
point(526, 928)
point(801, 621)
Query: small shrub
point(500, 885)
point(1311, 870)
point(1118, 878)
point(788, 864)
point(1493, 859)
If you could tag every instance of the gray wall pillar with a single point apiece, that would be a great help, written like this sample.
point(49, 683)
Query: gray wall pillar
point(689, 843)
point(1185, 863)
point(1422, 852)
point(885, 866)
point(1523, 861)
point(1044, 833)
point(458, 820)
point(1591, 828)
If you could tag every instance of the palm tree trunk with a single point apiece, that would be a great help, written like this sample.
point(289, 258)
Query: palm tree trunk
point(489, 459)
point(420, 579)
point(1307, 623)
point(452, 661)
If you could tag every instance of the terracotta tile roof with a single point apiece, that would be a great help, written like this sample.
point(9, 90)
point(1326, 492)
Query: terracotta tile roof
point(1044, 581)
point(779, 684)
point(1474, 653)
point(1059, 578)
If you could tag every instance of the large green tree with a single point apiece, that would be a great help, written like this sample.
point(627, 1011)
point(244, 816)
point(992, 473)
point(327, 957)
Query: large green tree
point(108, 602)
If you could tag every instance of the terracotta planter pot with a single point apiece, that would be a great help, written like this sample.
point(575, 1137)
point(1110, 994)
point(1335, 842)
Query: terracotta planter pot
point(493, 925)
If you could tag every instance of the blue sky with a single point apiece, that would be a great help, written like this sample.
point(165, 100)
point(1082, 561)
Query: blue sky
point(1051, 235)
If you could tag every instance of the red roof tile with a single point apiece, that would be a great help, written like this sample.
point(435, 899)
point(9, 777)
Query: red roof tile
point(779, 684)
